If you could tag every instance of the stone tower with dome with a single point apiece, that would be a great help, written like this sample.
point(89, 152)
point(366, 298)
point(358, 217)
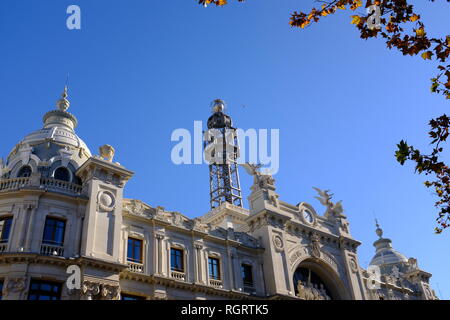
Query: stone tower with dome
point(392, 276)
point(67, 232)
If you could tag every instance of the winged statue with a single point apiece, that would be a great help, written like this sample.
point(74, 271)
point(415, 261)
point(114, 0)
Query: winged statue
point(325, 199)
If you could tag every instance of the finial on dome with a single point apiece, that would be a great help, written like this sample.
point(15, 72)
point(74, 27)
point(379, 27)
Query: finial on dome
point(378, 231)
point(63, 104)
point(218, 105)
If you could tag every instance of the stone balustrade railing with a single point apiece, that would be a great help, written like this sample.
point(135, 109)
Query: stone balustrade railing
point(14, 184)
point(59, 185)
point(42, 183)
point(181, 276)
point(136, 267)
point(215, 283)
point(52, 250)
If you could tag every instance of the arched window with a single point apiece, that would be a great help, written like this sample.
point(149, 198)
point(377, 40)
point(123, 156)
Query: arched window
point(62, 174)
point(24, 172)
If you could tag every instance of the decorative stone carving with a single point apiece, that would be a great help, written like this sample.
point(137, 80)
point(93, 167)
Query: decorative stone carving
point(353, 265)
point(315, 246)
point(98, 290)
point(344, 225)
point(197, 224)
point(412, 264)
point(333, 209)
point(106, 200)
point(198, 245)
point(260, 180)
point(278, 242)
point(274, 199)
point(296, 255)
point(136, 207)
point(66, 155)
point(107, 152)
point(311, 291)
point(159, 236)
point(15, 284)
point(177, 219)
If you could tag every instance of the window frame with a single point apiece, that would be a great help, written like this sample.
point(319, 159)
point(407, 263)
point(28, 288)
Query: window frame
point(141, 251)
point(250, 284)
point(53, 242)
point(131, 297)
point(40, 292)
point(22, 168)
point(68, 171)
point(211, 268)
point(181, 259)
point(6, 218)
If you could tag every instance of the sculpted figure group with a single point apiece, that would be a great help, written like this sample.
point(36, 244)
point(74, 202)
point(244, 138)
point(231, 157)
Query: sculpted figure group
point(311, 291)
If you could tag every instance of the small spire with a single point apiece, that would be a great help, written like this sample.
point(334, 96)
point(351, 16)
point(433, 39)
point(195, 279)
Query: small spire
point(378, 231)
point(63, 104)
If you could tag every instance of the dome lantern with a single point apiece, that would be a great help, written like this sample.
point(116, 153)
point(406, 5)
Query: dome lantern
point(385, 254)
point(60, 117)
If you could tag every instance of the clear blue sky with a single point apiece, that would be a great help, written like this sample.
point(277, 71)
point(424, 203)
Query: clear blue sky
point(140, 69)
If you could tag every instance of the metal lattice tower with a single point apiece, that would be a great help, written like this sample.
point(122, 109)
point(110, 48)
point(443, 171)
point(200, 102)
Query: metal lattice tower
point(221, 152)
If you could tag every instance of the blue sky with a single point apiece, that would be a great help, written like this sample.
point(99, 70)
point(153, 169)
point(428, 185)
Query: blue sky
point(140, 69)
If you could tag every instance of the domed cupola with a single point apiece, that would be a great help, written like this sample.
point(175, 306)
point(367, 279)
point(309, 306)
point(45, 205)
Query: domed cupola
point(219, 119)
point(385, 255)
point(55, 151)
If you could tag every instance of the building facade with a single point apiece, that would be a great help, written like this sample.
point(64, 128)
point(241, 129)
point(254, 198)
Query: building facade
point(67, 232)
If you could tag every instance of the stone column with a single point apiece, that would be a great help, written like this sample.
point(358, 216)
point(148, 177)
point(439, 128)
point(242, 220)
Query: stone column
point(168, 258)
point(79, 231)
point(146, 251)
point(159, 254)
point(30, 228)
point(231, 276)
point(198, 263)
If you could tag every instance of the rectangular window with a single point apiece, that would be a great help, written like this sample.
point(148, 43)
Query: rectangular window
point(129, 297)
point(5, 229)
point(247, 275)
point(44, 290)
point(214, 268)
point(134, 253)
point(1, 289)
point(54, 232)
point(176, 260)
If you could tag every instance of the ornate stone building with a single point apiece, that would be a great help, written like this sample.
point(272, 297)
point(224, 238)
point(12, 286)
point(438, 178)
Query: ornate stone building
point(62, 210)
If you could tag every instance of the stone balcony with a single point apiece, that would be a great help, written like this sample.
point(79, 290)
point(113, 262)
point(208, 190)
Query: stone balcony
point(135, 267)
point(47, 184)
point(215, 283)
point(52, 250)
point(180, 276)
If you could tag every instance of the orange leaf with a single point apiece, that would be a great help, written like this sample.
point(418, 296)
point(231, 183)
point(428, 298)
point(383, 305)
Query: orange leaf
point(414, 17)
point(356, 20)
point(427, 55)
point(420, 32)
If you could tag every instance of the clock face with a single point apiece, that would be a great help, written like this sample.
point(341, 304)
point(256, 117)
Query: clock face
point(307, 215)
